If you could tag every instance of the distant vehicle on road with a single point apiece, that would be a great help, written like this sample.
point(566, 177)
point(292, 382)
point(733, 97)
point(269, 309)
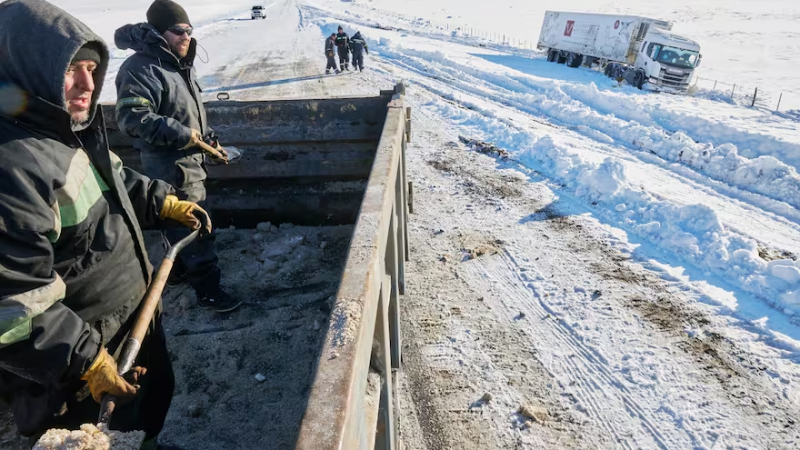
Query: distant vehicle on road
point(258, 12)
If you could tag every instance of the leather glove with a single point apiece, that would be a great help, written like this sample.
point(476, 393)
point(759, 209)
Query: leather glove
point(183, 212)
point(194, 139)
point(102, 379)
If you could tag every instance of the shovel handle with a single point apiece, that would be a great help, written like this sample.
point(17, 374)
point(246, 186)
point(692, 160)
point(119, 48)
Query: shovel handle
point(131, 348)
point(212, 151)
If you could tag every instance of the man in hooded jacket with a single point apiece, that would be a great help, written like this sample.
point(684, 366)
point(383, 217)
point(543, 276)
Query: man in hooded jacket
point(73, 263)
point(358, 46)
point(159, 105)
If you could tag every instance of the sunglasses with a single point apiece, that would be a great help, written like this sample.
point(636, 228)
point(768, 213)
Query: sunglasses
point(178, 31)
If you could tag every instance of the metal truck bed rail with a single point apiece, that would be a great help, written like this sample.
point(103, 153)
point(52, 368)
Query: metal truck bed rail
point(364, 333)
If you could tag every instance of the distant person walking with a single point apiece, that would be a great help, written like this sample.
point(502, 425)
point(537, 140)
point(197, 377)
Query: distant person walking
point(330, 53)
point(358, 46)
point(343, 48)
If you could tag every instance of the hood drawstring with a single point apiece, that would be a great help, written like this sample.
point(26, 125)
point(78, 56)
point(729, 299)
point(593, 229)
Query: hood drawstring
point(205, 61)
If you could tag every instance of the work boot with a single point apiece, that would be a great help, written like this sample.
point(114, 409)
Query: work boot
point(338, 71)
point(219, 300)
point(327, 71)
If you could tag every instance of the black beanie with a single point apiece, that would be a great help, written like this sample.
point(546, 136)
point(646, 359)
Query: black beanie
point(89, 52)
point(163, 14)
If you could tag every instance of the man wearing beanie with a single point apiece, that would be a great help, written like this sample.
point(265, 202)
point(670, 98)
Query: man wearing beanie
point(343, 48)
point(159, 105)
point(73, 263)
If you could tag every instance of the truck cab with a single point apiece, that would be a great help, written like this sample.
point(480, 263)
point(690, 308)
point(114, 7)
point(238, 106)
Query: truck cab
point(667, 60)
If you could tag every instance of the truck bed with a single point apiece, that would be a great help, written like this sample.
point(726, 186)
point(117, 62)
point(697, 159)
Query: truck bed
point(277, 333)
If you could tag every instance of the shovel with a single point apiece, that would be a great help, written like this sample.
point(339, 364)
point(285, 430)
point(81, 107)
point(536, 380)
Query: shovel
point(214, 153)
point(131, 348)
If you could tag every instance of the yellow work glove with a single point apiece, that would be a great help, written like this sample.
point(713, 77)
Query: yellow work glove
point(183, 212)
point(193, 139)
point(102, 378)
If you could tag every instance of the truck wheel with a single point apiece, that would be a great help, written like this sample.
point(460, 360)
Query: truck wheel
point(552, 56)
point(574, 60)
point(638, 80)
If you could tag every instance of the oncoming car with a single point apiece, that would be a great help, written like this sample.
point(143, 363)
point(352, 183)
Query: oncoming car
point(258, 13)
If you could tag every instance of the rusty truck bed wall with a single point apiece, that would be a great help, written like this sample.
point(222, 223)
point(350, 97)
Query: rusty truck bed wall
point(305, 161)
point(329, 161)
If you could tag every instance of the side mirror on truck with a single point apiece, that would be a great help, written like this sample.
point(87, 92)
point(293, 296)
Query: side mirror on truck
point(699, 60)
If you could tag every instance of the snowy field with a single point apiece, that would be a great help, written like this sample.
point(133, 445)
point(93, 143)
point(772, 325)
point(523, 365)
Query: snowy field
point(642, 280)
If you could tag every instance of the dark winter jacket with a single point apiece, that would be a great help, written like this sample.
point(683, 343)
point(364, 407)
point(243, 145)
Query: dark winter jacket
point(158, 96)
point(330, 48)
point(342, 43)
point(358, 45)
point(73, 264)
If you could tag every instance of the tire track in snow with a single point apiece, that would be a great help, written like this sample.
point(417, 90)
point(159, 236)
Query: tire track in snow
point(590, 366)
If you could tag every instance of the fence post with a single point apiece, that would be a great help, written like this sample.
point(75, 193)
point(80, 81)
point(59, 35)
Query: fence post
point(715, 85)
point(755, 94)
point(779, 102)
point(733, 90)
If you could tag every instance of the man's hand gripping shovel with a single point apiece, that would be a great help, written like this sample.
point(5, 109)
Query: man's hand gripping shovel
point(148, 307)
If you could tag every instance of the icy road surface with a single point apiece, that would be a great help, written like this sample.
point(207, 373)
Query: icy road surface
point(629, 265)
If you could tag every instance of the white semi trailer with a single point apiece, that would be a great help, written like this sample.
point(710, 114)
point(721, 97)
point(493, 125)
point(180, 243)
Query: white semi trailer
point(643, 51)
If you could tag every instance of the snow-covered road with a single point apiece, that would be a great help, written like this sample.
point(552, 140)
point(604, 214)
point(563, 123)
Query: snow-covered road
point(630, 267)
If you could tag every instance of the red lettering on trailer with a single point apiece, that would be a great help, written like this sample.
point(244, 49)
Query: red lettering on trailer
point(616, 25)
point(570, 27)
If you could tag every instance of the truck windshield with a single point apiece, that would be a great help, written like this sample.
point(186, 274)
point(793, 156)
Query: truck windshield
point(677, 57)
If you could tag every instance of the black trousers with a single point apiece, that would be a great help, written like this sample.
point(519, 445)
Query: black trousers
point(186, 172)
point(358, 61)
point(331, 63)
point(149, 408)
point(344, 58)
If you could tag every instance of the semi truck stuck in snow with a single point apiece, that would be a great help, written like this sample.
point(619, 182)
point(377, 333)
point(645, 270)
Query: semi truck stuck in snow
point(640, 50)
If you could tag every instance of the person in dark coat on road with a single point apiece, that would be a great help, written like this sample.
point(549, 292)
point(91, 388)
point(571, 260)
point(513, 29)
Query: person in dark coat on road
point(343, 48)
point(330, 53)
point(159, 105)
point(73, 262)
point(358, 46)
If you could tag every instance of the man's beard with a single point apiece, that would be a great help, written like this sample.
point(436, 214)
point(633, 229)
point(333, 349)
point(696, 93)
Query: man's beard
point(79, 118)
point(177, 52)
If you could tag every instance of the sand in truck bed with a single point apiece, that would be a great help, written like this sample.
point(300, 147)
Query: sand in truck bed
point(287, 277)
